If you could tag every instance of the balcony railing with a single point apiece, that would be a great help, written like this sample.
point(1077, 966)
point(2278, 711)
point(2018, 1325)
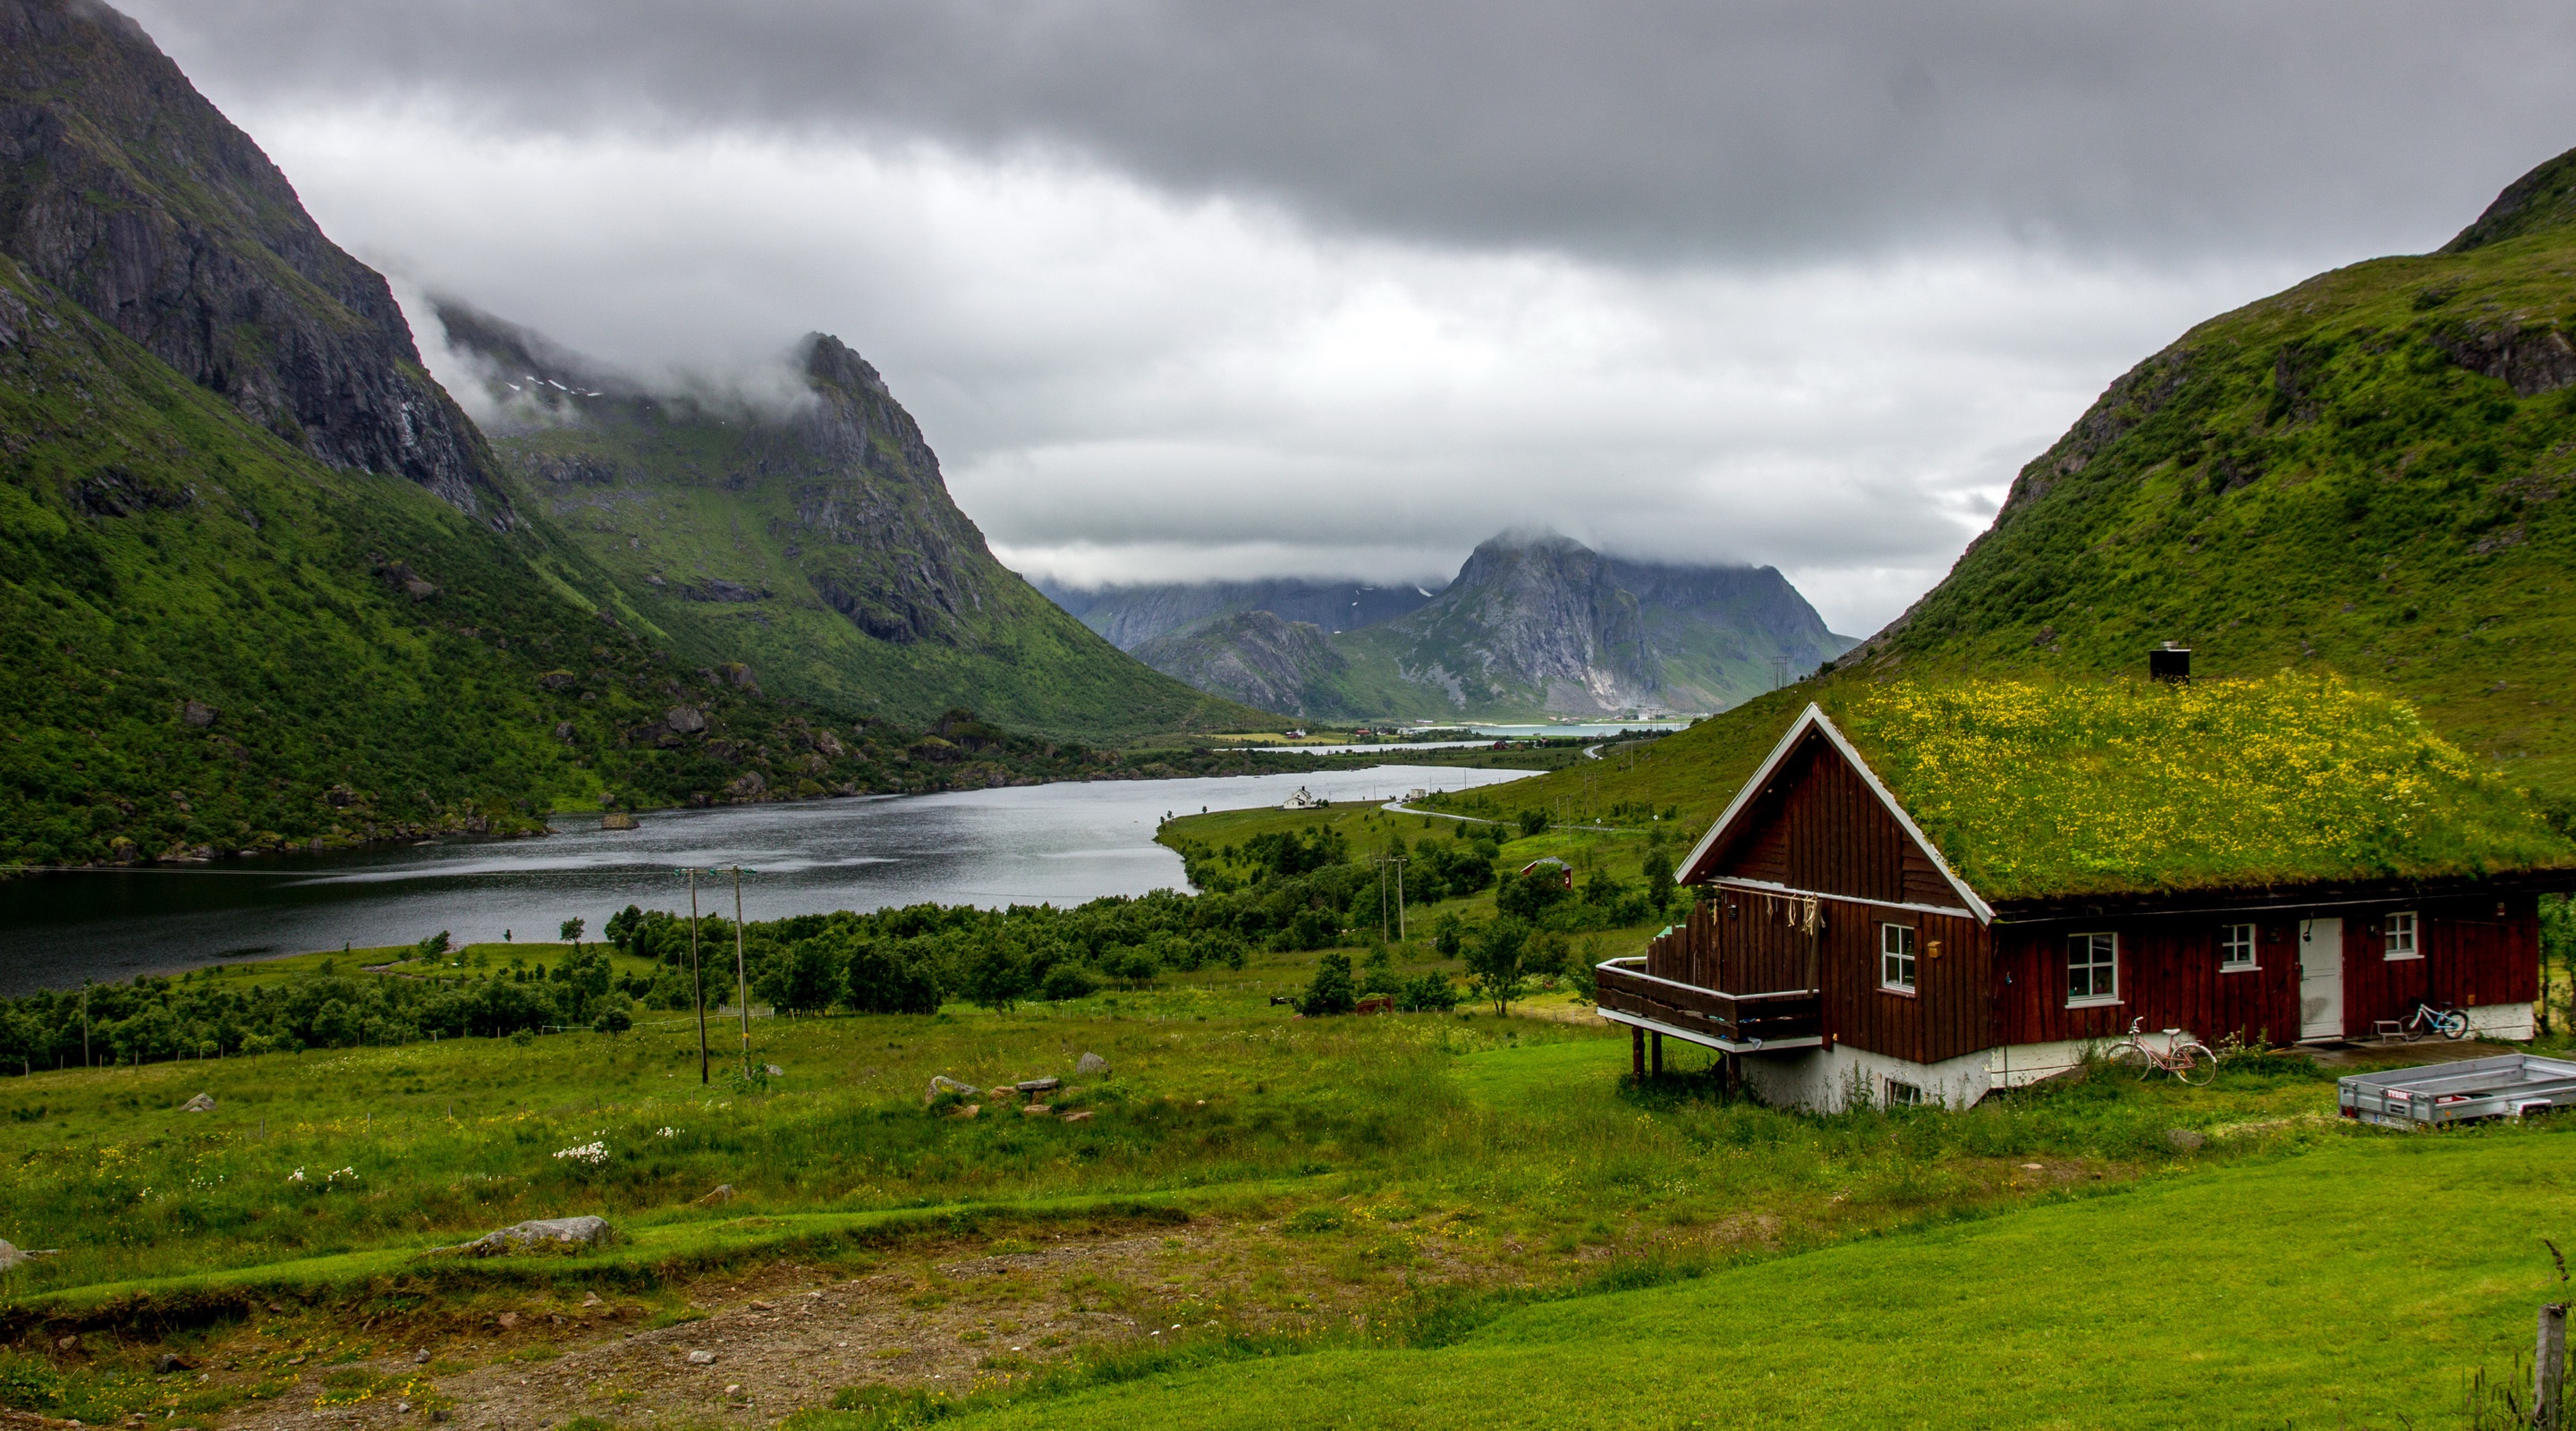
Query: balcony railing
point(1780, 1017)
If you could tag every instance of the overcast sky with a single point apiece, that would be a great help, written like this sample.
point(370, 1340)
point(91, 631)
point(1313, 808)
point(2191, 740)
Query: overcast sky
point(1340, 289)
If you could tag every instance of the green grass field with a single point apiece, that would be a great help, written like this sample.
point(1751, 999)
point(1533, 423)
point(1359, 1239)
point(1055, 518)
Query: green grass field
point(1407, 1217)
point(2364, 1284)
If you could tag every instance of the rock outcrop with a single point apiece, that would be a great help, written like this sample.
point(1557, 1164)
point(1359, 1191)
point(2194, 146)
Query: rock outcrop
point(128, 191)
point(1252, 657)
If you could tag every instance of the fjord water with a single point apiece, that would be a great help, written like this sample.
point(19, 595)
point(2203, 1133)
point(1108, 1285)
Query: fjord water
point(1019, 845)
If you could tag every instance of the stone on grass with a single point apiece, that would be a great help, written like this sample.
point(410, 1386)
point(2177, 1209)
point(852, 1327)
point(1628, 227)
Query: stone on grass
point(1037, 1110)
point(2185, 1139)
point(724, 1193)
point(567, 1232)
point(12, 1257)
point(1078, 1115)
point(773, 1070)
point(1039, 1085)
point(702, 1358)
point(1091, 1063)
point(168, 1362)
point(507, 1320)
point(202, 1103)
point(942, 1083)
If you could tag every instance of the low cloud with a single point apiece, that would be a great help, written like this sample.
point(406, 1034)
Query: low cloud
point(1338, 291)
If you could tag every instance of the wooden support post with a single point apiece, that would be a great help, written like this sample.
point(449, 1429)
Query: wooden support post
point(1658, 1054)
point(1637, 1053)
point(2549, 1369)
point(1734, 1074)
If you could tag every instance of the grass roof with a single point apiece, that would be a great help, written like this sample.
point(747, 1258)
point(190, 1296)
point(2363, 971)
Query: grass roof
point(2042, 789)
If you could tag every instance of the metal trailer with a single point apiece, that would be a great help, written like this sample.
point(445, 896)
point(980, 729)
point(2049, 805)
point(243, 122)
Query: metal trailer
point(2435, 1094)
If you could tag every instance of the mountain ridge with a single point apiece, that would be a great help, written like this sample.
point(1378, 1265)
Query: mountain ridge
point(1534, 625)
point(817, 541)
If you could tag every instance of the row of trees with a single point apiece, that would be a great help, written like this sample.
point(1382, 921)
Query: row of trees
point(216, 1013)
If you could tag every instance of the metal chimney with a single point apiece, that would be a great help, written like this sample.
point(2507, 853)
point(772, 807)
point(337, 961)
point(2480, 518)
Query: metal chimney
point(2169, 662)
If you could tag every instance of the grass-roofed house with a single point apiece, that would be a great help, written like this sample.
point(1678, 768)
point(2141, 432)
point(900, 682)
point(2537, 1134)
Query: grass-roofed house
point(1930, 891)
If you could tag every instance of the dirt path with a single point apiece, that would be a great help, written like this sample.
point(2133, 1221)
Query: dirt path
point(771, 1342)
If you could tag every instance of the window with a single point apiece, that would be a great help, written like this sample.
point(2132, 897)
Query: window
point(1903, 1095)
point(2235, 948)
point(1896, 957)
point(2398, 931)
point(2092, 969)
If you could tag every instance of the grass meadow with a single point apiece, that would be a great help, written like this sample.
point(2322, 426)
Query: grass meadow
point(1457, 1218)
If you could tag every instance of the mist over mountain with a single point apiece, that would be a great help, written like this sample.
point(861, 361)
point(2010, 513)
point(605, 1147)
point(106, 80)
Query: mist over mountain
point(1534, 625)
point(811, 532)
point(1131, 616)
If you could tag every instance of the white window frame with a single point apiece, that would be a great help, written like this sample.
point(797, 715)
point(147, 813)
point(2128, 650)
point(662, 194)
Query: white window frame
point(2401, 934)
point(2233, 938)
point(1897, 1093)
point(2094, 999)
point(1899, 966)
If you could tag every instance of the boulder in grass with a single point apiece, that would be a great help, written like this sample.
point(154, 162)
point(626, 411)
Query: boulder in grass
point(12, 1257)
point(570, 1234)
point(202, 1103)
point(1091, 1063)
point(942, 1083)
point(1039, 1085)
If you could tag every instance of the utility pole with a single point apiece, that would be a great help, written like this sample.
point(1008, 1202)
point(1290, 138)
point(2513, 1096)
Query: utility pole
point(1399, 899)
point(741, 980)
point(697, 982)
point(84, 1025)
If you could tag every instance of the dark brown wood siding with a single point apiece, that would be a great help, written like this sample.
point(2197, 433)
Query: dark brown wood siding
point(2170, 975)
point(1819, 826)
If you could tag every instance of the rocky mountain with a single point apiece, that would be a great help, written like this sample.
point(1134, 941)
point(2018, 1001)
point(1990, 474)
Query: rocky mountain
point(123, 190)
point(1131, 616)
point(1541, 625)
point(1532, 626)
point(1256, 658)
point(813, 538)
point(2369, 472)
point(262, 585)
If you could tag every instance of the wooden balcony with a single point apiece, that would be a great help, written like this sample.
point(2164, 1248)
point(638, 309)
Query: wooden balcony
point(1738, 1023)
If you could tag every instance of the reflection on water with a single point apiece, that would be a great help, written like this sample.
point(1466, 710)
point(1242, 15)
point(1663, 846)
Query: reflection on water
point(1059, 843)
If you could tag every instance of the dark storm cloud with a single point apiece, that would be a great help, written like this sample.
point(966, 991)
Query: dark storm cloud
point(1633, 132)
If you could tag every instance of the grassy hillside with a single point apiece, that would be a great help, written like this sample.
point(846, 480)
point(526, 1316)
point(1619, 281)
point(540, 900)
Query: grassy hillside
point(215, 642)
point(818, 545)
point(2364, 473)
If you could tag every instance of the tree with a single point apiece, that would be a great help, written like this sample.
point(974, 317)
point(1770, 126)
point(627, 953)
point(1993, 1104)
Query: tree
point(570, 932)
point(996, 977)
point(1330, 992)
point(805, 981)
point(1067, 981)
point(1532, 892)
point(1378, 974)
point(1448, 935)
point(1659, 876)
point(883, 978)
point(1494, 960)
point(1533, 822)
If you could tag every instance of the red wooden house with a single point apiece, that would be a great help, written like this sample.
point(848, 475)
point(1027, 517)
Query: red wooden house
point(1991, 878)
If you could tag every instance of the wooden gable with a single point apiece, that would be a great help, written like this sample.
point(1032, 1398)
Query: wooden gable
point(1813, 819)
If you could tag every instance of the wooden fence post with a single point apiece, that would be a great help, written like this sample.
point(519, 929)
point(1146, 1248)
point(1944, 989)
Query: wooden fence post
point(2549, 1368)
point(1637, 1052)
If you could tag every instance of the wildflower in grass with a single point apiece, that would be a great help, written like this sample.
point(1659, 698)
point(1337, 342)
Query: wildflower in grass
point(666, 1132)
point(588, 1154)
point(343, 1175)
point(296, 1176)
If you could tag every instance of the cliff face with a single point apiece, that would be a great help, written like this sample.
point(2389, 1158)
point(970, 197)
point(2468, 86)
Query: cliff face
point(1531, 627)
point(1130, 616)
point(123, 188)
point(1256, 658)
point(813, 538)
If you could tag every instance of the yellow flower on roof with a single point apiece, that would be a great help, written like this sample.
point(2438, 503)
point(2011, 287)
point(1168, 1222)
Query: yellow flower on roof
point(2035, 788)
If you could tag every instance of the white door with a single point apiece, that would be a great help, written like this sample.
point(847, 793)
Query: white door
point(2320, 978)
